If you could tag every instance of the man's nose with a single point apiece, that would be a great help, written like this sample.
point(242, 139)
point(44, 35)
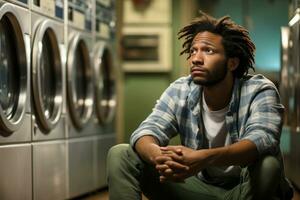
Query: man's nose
point(197, 59)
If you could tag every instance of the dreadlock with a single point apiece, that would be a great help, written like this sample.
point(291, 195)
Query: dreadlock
point(235, 39)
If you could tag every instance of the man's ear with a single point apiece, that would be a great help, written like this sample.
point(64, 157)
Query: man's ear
point(233, 63)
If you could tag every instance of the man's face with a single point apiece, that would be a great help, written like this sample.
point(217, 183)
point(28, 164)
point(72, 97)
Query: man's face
point(207, 59)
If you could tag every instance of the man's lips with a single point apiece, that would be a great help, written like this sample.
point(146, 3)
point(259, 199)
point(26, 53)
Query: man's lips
point(197, 70)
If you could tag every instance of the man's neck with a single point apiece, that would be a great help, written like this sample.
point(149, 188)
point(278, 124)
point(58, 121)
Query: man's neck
point(219, 96)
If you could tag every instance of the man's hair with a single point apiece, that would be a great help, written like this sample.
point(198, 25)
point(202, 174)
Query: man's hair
point(235, 39)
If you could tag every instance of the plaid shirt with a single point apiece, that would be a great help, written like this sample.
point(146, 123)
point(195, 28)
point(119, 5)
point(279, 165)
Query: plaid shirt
point(255, 113)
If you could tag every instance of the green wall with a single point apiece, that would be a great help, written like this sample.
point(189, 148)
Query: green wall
point(141, 90)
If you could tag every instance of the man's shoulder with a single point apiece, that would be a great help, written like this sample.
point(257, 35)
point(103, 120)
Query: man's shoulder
point(182, 87)
point(182, 83)
point(257, 81)
point(257, 84)
point(183, 80)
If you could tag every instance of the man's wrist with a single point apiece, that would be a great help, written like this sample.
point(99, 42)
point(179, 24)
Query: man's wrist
point(147, 147)
point(154, 151)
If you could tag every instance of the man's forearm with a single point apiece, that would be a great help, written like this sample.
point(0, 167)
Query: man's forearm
point(243, 152)
point(148, 148)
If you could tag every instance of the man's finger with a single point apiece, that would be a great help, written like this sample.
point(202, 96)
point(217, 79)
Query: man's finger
point(177, 166)
point(161, 167)
point(175, 149)
point(162, 159)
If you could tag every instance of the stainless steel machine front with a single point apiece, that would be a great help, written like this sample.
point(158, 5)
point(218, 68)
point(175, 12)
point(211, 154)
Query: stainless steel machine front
point(48, 117)
point(105, 72)
point(57, 97)
point(79, 98)
point(15, 111)
point(47, 78)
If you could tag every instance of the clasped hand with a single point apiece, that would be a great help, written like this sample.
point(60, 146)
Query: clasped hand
point(176, 163)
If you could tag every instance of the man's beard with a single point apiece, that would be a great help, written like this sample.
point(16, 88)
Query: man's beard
point(213, 78)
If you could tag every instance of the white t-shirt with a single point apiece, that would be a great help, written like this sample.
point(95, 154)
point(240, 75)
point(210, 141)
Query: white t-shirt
point(218, 136)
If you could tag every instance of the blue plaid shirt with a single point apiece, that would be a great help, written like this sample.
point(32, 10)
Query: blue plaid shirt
point(255, 113)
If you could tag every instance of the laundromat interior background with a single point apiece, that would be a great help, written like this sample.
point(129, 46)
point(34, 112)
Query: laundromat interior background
point(79, 76)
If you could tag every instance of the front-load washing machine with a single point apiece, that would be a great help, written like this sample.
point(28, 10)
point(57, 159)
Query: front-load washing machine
point(48, 117)
point(105, 76)
point(79, 98)
point(105, 110)
point(15, 111)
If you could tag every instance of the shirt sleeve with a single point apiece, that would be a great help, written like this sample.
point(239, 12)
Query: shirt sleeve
point(161, 123)
point(265, 118)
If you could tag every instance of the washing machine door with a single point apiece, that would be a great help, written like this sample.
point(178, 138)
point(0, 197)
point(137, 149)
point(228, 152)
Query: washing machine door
point(79, 82)
point(46, 76)
point(13, 71)
point(105, 82)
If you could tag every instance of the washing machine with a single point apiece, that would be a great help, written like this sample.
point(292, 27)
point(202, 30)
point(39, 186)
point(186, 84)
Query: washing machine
point(105, 84)
point(15, 111)
point(48, 95)
point(79, 75)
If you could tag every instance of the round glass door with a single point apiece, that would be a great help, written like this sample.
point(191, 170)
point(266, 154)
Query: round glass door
point(80, 81)
point(13, 78)
point(79, 88)
point(47, 77)
point(105, 84)
point(8, 69)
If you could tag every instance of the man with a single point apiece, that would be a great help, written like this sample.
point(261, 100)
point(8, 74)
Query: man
point(229, 125)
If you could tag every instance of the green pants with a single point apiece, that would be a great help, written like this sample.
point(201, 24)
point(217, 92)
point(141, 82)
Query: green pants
point(129, 177)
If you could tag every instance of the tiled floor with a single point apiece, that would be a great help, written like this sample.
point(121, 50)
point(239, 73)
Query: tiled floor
point(103, 195)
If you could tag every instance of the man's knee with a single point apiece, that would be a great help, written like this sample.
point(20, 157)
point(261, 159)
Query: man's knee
point(116, 154)
point(117, 150)
point(115, 161)
point(270, 164)
point(265, 176)
point(267, 168)
point(122, 173)
point(122, 156)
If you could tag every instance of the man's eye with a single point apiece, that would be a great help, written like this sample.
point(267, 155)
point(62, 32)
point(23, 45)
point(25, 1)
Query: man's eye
point(208, 50)
point(192, 51)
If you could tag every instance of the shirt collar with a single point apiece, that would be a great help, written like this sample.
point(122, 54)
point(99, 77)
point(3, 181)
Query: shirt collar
point(196, 91)
point(194, 95)
point(235, 98)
